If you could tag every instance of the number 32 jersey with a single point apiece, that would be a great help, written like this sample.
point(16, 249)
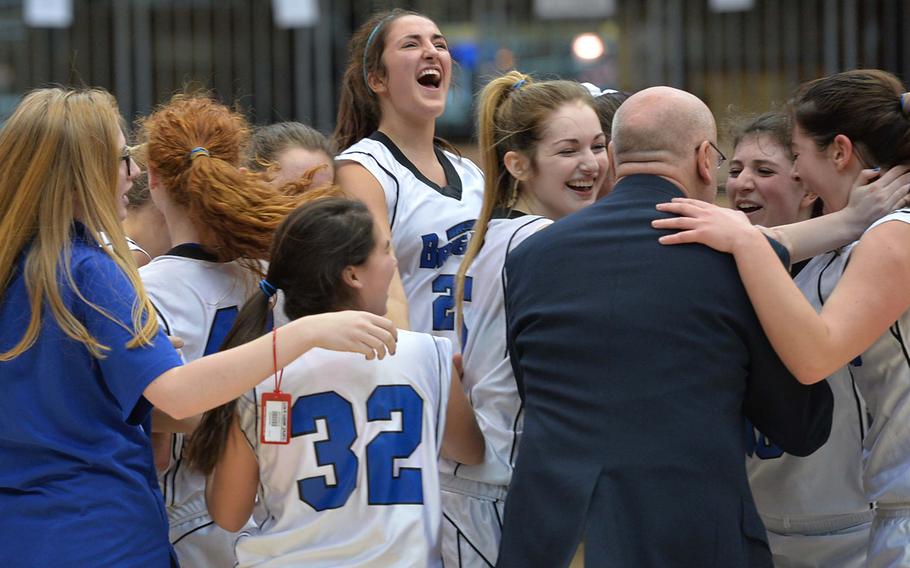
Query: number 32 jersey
point(357, 486)
point(430, 225)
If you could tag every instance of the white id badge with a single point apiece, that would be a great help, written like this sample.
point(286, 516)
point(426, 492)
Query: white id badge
point(276, 418)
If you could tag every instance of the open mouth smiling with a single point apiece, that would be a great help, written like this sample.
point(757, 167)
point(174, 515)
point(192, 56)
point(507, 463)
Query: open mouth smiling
point(430, 78)
point(580, 186)
point(748, 207)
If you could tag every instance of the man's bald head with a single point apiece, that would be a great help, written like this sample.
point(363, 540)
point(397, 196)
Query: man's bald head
point(661, 124)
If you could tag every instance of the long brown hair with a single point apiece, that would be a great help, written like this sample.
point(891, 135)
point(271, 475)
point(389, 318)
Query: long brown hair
point(511, 116)
point(60, 162)
point(236, 210)
point(312, 247)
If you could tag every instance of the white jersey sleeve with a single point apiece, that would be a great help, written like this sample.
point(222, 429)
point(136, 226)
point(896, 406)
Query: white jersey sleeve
point(358, 484)
point(488, 378)
point(431, 226)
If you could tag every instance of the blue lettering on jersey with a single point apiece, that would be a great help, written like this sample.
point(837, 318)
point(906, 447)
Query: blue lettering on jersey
point(760, 445)
point(221, 325)
point(433, 256)
point(444, 305)
point(384, 486)
point(335, 451)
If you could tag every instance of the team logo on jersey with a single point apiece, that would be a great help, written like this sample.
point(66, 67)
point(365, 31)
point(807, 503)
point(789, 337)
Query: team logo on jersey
point(434, 256)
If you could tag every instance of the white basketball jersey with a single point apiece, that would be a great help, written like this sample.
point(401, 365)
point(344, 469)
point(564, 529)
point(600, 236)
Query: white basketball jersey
point(882, 374)
point(197, 299)
point(823, 492)
point(430, 225)
point(357, 486)
point(488, 378)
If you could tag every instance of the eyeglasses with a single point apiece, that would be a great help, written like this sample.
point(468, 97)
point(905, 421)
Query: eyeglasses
point(127, 157)
point(720, 155)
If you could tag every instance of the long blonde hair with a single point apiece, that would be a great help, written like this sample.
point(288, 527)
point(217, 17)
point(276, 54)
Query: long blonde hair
point(511, 115)
point(61, 162)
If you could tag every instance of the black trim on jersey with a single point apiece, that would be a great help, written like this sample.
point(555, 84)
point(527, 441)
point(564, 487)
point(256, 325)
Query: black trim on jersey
point(498, 517)
point(502, 272)
point(439, 371)
point(856, 396)
point(452, 188)
point(186, 534)
point(388, 173)
point(192, 250)
point(503, 213)
point(821, 274)
point(176, 469)
point(896, 333)
point(460, 535)
point(162, 319)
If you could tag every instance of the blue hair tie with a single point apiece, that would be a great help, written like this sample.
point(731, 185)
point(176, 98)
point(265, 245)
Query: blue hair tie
point(199, 151)
point(905, 104)
point(366, 49)
point(519, 84)
point(267, 288)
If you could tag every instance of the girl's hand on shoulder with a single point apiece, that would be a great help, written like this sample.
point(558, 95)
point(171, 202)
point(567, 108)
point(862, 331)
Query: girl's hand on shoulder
point(875, 194)
point(699, 222)
point(353, 331)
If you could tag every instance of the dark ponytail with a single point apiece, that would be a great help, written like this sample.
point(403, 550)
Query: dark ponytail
point(311, 249)
point(865, 105)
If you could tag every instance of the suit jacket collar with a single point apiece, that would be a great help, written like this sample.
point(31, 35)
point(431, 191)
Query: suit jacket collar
point(648, 182)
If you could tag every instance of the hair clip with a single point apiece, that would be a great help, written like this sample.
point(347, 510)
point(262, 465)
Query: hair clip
point(596, 91)
point(199, 151)
point(268, 289)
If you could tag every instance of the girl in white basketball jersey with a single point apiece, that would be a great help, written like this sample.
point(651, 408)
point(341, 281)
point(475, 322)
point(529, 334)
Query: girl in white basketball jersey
point(544, 157)
point(357, 482)
point(824, 522)
point(221, 221)
point(843, 123)
point(420, 191)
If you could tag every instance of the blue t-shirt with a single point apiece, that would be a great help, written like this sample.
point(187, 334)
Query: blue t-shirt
point(77, 480)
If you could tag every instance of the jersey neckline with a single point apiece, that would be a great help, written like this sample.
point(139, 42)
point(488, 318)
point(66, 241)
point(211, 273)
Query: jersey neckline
point(453, 186)
point(194, 251)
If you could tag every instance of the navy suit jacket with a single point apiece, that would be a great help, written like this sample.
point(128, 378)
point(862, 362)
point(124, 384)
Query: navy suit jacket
point(637, 363)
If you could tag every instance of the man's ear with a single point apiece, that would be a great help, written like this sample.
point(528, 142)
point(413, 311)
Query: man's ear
point(517, 165)
point(350, 277)
point(704, 164)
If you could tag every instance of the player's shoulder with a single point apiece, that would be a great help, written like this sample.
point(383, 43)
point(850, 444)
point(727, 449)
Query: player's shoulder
point(902, 215)
point(364, 147)
point(421, 343)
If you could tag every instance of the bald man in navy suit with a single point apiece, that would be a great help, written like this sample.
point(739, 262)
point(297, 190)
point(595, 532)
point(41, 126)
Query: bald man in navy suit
point(638, 364)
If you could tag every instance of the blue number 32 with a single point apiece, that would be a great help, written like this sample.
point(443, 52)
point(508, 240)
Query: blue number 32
point(383, 486)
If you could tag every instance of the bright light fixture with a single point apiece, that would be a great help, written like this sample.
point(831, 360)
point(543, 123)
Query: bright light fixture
point(587, 46)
